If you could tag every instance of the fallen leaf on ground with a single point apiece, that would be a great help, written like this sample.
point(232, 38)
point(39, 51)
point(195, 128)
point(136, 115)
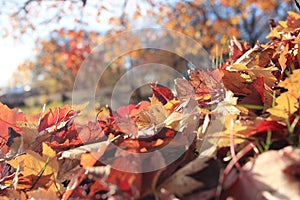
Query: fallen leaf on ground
point(266, 177)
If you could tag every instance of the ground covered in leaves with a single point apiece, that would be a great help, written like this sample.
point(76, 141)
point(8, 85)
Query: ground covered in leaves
point(230, 132)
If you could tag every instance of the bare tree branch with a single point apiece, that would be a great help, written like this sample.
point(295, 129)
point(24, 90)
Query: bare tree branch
point(28, 2)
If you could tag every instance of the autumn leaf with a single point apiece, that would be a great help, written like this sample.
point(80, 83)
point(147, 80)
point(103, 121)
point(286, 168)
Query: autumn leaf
point(236, 82)
point(57, 119)
point(228, 105)
point(283, 58)
point(237, 49)
point(184, 90)
point(125, 110)
point(293, 20)
point(174, 119)
point(155, 115)
point(9, 131)
point(256, 98)
point(138, 108)
point(235, 130)
point(287, 103)
point(265, 177)
point(60, 140)
point(292, 83)
point(76, 153)
point(25, 182)
point(8, 119)
point(161, 93)
point(183, 182)
point(274, 126)
point(256, 56)
point(32, 163)
point(21, 142)
point(172, 105)
point(14, 143)
point(30, 133)
point(208, 86)
point(248, 103)
point(256, 72)
point(274, 33)
point(126, 126)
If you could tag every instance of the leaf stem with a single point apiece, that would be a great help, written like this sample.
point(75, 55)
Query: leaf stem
point(41, 173)
point(268, 140)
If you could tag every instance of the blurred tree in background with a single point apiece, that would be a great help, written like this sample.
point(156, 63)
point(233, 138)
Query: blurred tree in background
point(59, 59)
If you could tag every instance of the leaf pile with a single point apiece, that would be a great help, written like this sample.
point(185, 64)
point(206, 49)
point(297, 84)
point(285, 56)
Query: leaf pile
point(240, 121)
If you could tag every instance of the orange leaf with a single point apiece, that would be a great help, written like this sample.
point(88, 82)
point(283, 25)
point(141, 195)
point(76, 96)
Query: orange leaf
point(26, 182)
point(59, 123)
point(282, 58)
point(9, 118)
point(56, 119)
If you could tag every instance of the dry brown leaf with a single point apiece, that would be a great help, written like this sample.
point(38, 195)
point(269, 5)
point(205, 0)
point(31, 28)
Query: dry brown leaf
point(182, 182)
point(256, 71)
point(22, 142)
point(184, 90)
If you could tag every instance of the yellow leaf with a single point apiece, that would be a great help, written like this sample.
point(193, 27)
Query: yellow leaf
point(286, 104)
point(103, 113)
point(47, 151)
point(172, 104)
point(273, 33)
point(237, 67)
point(231, 130)
point(292, 83)
point(33, 163)
point(296, 47)
point(283, 24)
